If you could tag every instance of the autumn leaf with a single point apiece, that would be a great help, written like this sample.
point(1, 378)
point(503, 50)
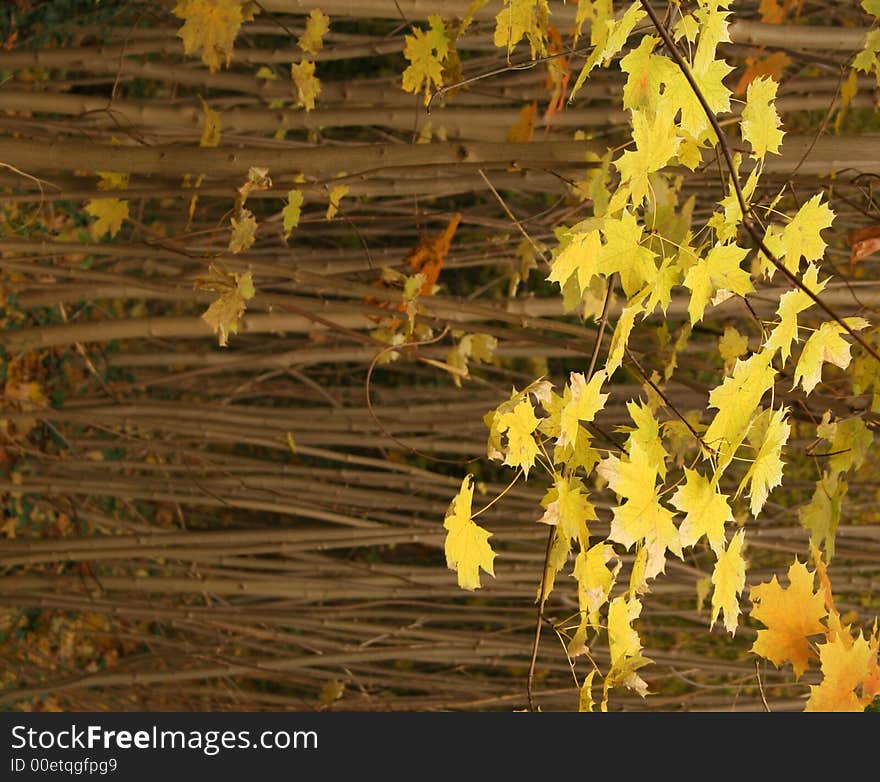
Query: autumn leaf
point(736, 400)
point(801, 237)
point(825, 345)
point(317, 25)
point(625, 648)
point(773, 65)
point(209, 25)
point(729, 579)
point(425, 52)
point(110, 212)
point(732, 346)
point(863, 242)
point(653, 133)
point(522, 19)
point(244, 226)
point(467, 544)
point(524, 128)
point(791, 614)
point(308, 86)
point(719, 270)
point(586, 401)
point(706, 511)
point(213, 125)
point(337, 193)
point(770, 431)
point(791, 304)
point(224, 314)
point(519, 424)
point(760, 122)
point(291, 213)
point(257, 179)
point(845, 664)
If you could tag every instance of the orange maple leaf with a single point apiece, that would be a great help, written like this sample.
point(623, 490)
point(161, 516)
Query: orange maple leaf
point(426, 259)
point(773, 65)
point(791, 615)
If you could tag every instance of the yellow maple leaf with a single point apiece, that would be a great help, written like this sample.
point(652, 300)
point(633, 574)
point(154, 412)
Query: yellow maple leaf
point(209, 25)
point(224, 314)
point(585, 402)
point(719, 270)
point(656, 143)
point(211, 133)
point(625, 648)
point(467, 546)
point(845, 665)
point(825, 345)
point(312, 39)
point(244, 226)
point(760, 121)
point(110, 212)
point(736, 400)
point(792, 304)
point(791, 614)
point(308, 86)
point(771, 430)
point(801, 237)
point(291, 213)
point(337, 193)
point(522, 18)
point(425, 52)
point(706, 509)
point(729, 578)
point(519, 423)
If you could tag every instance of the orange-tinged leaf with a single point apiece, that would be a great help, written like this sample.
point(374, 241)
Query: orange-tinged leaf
point(773, 65)
point(863, 242)
point(258, 179)
point(209, 25)
point(467, 546)
point(845, 665)
point(317, 25)
point(110, 212)
point(791, 614)
point(430, 254)
point(308, 86)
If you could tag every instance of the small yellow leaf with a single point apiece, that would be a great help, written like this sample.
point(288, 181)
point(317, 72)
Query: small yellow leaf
point(290, 443)
point(336, 195)
point(110, 213)
point(243, 229)
point(224, 314)
point(308, 85)
point(729, 578)
point(317, 24)
point(213, 125)
point(291, 212)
